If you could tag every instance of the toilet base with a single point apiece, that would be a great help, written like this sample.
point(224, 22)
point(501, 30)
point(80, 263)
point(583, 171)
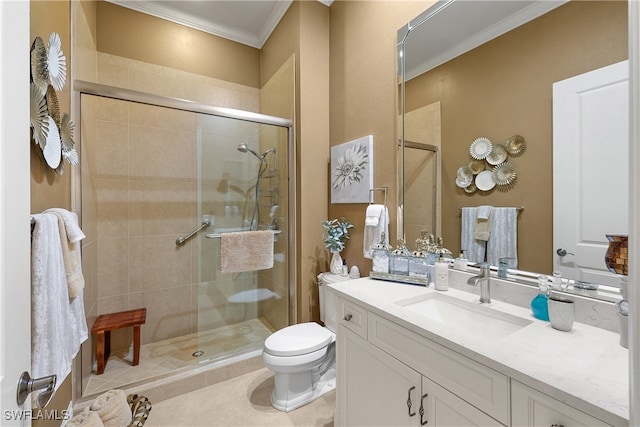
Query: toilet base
point(290, 399)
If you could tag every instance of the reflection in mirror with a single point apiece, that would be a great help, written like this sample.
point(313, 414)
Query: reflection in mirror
point(491, 71)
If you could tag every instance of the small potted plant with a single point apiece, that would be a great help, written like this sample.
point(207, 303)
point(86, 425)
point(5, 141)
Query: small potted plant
point(335, 237)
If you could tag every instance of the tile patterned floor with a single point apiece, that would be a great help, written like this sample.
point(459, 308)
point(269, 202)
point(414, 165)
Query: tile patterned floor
point(164, 358)
point(241, 401)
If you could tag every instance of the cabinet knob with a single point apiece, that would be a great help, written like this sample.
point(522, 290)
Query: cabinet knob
point(409, 403)
point(347, 317)
point(557, 425)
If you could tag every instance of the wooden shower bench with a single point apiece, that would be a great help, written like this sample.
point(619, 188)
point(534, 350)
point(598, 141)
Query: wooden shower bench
point(105, 323)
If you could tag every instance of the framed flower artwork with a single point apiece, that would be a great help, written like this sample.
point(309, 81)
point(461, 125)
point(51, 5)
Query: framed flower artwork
point(352, 171)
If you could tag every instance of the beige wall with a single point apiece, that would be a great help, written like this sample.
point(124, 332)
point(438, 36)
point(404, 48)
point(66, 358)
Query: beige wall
point(47, 188)
point(363, 97)
point(175, 46)
point(511, 94)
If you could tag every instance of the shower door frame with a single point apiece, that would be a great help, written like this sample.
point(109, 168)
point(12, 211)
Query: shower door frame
point(81, 87)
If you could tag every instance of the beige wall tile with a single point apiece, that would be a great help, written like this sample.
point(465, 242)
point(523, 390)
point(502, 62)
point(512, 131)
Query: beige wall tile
point(168, 312)
point(113, 267)
point(111, 148)
point(156, 263)
point(111, 208)
point(161, 153)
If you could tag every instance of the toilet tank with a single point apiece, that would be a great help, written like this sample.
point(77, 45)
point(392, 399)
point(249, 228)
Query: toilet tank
point(329, 300)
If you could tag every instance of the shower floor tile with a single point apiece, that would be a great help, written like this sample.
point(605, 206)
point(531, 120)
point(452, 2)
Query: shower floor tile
point(163, 358)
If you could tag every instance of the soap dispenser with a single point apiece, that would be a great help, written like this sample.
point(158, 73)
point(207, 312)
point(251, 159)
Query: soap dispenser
point(539, 304)
point(441, 281)
point(461, 262)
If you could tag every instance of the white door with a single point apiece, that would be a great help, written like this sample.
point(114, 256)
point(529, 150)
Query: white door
point(590, 170)
point(15, 252)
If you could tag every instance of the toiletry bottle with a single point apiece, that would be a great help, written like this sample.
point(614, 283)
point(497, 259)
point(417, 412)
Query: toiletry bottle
point(345, 268)
point(441, 281)
point(461, 262)
point(539, 305)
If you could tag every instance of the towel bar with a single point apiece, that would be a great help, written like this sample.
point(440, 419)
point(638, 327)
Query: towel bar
point(217, 235)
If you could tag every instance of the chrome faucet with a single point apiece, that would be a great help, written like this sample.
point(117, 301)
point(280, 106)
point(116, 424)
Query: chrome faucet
point(483, 278)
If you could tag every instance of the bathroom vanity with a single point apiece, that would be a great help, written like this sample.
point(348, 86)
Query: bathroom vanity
point(410, 355)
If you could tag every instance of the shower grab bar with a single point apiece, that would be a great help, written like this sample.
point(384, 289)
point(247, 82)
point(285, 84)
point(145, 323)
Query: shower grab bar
point(181, 240)
point(218, 235)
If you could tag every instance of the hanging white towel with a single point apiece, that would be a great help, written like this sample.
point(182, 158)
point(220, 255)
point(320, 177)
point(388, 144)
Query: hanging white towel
point(375, 224)
point(70, 237)
point(503, 241)
point(475, 249)
point(56, 333)
point(482, 228)
point(246, 251)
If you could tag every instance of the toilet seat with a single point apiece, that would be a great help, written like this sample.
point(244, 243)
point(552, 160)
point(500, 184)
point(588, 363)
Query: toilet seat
point(298, 339)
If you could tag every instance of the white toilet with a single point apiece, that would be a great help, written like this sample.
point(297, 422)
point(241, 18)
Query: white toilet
point(303, 357)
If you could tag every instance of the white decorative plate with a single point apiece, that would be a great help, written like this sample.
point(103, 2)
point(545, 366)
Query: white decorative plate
point(53, 149)
point(484, 181)
point(56, 62)
point(39, 121)
point(68, 144)
point(471, 188)
point(498, 155)
point(53, 105)
point(504, 174)
point(464, 173)
point(480, 148)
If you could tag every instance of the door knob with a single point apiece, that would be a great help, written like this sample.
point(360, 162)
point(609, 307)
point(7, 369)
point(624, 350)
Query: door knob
point(27, 385)
point(563, 252)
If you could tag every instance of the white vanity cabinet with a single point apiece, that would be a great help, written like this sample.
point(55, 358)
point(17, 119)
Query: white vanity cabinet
point(390, 375)
point(378, 388)
point(532, 408)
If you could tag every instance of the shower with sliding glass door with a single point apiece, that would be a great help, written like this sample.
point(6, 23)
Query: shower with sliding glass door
point(161, 180)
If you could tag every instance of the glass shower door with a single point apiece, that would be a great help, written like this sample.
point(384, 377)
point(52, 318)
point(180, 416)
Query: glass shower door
point(242, 186)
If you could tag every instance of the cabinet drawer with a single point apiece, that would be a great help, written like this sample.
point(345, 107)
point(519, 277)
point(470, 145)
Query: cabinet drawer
point(532, 408)
point(484, 388)
point(353, 317)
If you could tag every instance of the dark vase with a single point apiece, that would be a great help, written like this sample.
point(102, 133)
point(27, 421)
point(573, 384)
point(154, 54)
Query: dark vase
point(617, 257)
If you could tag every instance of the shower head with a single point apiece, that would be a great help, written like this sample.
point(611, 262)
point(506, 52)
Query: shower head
point(244, 149)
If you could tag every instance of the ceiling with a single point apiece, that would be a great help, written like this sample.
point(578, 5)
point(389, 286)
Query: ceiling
point(248, 22)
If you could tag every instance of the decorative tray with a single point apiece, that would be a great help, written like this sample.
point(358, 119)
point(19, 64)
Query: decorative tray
point(411, 280)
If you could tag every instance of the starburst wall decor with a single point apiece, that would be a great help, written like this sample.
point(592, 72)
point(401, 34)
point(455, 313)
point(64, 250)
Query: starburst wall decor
point(352, 171)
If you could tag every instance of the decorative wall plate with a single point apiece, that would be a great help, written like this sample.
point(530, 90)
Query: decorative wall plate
point(53, 149)
point(39, 70)
point(463, 182)
point(471, 188)
point(56, 62)
point(515, 145)
point(484, 181)
point(480, 148)
point(504, 174)
point(66, 137)
point(476, 166)
point(464, 172)
point(38, 112)
point(53, 105)
point(498, 155)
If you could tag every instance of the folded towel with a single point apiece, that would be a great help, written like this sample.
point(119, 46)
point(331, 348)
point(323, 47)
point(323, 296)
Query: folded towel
point(475, 248)
point(51, 338)
point(70, 236)
point(373, 230)
point(482, 228)
point(504, 236)
point(373, 215)
point(86, 418)
point(113, 409)
point(246, 251)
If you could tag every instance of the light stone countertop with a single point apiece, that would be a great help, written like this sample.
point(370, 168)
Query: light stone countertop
point(585, 368)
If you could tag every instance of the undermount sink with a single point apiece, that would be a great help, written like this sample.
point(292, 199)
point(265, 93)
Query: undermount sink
point(472, 317)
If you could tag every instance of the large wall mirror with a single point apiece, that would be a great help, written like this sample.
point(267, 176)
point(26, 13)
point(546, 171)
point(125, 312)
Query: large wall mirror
point(487, 69)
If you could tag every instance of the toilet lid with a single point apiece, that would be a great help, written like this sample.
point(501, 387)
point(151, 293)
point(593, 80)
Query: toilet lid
point(298, 339)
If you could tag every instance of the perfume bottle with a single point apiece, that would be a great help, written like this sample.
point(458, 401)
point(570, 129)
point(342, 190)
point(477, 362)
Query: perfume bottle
point(540, 304)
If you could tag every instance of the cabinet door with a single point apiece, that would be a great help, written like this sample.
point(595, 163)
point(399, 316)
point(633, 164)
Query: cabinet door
point(373, 388)
point(443, 408)
point(531, 408)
